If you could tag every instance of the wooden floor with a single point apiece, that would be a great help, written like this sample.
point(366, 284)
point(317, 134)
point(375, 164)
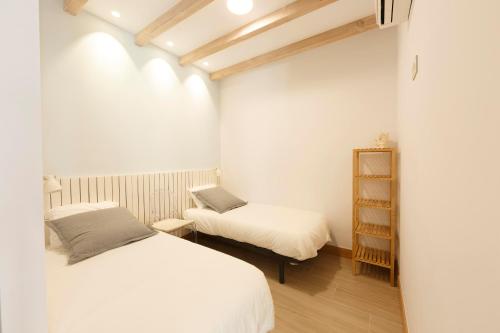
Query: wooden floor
point(322, 295)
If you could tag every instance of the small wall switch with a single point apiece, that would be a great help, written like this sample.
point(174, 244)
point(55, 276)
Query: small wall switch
point(414, 68)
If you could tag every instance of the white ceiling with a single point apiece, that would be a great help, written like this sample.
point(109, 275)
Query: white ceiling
point(215, 20)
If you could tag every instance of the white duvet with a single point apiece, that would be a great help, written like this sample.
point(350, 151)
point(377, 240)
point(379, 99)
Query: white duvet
point(162, 284)
point(290, 232)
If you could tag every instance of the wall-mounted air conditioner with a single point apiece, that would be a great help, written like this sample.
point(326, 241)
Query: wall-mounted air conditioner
point(392, 12)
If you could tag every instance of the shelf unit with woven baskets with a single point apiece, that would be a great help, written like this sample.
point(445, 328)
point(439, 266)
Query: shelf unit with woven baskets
point(387, 232)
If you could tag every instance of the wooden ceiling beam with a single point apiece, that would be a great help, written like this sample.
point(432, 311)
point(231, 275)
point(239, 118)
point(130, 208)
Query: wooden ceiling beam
point(254, 28)
point(74, 6)
point(181, 11)
point(330, 36)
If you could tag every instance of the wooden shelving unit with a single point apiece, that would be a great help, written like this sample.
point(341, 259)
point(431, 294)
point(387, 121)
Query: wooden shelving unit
point(387, 232)
point(373, 203)
point(373, 256)
point(375, 177)
point(374, 230)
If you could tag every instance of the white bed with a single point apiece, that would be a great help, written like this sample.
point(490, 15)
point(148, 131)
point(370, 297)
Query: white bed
point(293, 233)
point(162, 284)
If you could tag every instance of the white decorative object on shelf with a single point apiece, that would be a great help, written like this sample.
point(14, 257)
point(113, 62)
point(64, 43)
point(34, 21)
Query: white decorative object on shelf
point(381, 140)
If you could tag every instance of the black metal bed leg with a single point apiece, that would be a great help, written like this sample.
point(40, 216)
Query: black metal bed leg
point(281, 272)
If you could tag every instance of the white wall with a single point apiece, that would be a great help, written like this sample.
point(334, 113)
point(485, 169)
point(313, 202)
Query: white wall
point(449, 136)
point(111, 107)
point(22, 282)
point(288, 128)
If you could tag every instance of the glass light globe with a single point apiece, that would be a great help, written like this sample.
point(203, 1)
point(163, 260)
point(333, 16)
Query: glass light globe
point(239, 7)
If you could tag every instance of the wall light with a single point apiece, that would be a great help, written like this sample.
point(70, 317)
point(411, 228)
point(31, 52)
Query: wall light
point(239, 7)
point(51, 185)
point(205, 63)
point(115, 14)
point(170, 43)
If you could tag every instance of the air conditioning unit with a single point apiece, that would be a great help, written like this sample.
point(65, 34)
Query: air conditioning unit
point(392, 12)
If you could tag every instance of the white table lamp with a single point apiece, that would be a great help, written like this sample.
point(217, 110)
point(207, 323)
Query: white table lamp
point(51, 185)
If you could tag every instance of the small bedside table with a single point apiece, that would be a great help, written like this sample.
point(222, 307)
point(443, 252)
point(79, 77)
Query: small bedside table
point(171, 225)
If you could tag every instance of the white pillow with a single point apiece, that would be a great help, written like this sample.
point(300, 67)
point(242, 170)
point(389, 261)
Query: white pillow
point(67, 210)
point(195, 189)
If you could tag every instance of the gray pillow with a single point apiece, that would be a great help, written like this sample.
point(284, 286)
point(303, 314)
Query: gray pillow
point(219, 199)
point(89, 234)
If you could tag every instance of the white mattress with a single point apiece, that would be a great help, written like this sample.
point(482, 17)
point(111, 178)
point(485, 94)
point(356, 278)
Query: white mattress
point(290, 232)
point(162, 284)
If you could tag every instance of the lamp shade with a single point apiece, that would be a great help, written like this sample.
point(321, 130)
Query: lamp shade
point(51, 185)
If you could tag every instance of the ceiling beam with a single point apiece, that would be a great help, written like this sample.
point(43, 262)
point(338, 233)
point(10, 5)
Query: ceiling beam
point(181, 11)
point(254, 28)
point(74, 6)
point(321, 39)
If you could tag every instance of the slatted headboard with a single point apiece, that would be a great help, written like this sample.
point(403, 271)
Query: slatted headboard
point(150, 197)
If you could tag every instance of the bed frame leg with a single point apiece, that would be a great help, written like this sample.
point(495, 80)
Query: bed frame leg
point(281, 272)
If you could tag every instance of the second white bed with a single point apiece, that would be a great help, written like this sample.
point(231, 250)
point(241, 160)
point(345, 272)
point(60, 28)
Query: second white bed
point(293, 233)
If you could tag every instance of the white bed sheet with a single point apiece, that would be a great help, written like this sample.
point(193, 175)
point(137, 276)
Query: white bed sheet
point(162, 284)
point(290, 232)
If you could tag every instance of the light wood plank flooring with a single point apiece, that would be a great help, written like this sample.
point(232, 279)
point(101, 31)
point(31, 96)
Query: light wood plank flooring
point(322, 295)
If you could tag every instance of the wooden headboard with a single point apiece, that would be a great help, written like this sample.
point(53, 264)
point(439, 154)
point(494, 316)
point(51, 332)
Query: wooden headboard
point(150, 196)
